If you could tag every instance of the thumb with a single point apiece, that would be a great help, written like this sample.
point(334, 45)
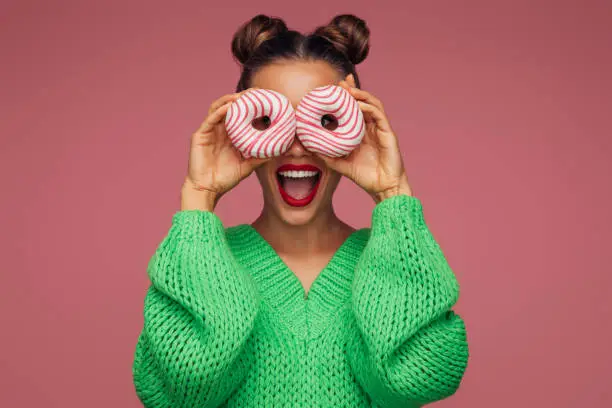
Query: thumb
point(252, 163)
point(339, 164)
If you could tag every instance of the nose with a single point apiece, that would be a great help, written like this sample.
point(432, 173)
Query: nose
point(297, 149)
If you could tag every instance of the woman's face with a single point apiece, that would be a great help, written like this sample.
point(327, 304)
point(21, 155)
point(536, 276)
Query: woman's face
point(297, 186)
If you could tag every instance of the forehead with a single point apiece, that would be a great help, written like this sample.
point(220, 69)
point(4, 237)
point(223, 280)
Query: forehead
point(295, 78)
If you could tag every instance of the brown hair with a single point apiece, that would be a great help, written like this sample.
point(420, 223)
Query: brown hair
point(343, 43)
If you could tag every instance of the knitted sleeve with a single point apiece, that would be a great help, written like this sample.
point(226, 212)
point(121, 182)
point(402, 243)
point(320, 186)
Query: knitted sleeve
point(409, 348)
point(198, 312)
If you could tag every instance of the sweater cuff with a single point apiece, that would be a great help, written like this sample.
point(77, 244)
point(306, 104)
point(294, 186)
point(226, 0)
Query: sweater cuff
point(191, 225)
point(395, 212)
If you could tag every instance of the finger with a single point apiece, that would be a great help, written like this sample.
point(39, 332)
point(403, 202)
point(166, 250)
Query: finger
point(226, 98)
point(221, 101)
point(246, 90)
point(252, 163)
point(239, 94)
point(344, 85)
point(338, 164)
point(385, 138)
point(255, 162)
point(376, 115)
point(214, 118)
point(365, 96)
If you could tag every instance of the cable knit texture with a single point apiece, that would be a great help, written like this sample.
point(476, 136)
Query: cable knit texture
point(228, 324)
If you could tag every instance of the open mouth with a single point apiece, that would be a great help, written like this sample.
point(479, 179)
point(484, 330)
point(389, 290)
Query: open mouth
point(298, 183)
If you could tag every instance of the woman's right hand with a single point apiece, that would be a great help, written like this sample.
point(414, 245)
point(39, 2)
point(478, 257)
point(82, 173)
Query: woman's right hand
point(215, 165)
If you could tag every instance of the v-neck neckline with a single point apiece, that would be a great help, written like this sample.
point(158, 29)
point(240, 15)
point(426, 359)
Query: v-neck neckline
point(266, 247)
point(306, 313)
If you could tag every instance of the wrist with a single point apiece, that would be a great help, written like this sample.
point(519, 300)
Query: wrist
point(402, 188)
point(193, 198)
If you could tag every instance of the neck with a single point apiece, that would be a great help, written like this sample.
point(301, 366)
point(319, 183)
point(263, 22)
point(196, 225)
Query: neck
point(324, 233)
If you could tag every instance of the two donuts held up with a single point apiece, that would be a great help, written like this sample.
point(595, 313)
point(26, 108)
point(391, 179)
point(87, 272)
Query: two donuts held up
point(327, 121)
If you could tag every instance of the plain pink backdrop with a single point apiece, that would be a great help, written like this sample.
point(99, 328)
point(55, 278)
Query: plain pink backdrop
point(503, 114)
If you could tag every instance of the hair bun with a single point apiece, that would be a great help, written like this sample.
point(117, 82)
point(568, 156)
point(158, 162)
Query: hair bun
point(253, 33)
point(349, 34)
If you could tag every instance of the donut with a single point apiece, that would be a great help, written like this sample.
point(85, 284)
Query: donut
point(261, 143)
point(337, 102)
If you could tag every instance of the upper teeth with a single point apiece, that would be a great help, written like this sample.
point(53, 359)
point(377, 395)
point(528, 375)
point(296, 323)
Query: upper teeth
point(298, 174)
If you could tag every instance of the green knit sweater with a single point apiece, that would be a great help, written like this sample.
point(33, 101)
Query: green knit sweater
point(228, 324)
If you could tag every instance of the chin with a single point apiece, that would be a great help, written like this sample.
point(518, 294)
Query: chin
point(295, 218)
point(297, 191)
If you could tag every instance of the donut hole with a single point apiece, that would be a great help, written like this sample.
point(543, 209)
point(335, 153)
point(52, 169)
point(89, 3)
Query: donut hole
point(261, 123)
point(329, 122)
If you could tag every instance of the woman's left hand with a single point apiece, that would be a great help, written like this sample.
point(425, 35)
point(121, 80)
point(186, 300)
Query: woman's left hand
point(376, 165)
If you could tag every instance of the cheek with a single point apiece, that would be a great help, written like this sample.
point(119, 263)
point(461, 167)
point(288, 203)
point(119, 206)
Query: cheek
point(263, 175)
point(333, 181)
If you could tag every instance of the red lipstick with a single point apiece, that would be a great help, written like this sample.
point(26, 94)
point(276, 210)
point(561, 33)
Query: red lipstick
point(292, 201)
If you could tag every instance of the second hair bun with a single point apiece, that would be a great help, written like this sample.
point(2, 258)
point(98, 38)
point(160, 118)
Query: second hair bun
point(349, 34)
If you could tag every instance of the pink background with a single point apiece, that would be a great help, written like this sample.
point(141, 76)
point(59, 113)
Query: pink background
point(503, 111)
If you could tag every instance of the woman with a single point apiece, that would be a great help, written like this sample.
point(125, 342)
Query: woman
point(298, 308)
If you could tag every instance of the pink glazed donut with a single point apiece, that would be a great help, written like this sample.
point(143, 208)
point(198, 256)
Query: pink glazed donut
point(340, 105)
point(269, 142)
